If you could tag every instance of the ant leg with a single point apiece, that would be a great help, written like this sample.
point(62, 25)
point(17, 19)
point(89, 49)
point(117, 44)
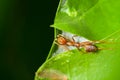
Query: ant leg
point(97, 42)
point(80, 50)
point(73, 38)
point(101, 41)
point(59, 35)
point(105, 48)
point(55, 41)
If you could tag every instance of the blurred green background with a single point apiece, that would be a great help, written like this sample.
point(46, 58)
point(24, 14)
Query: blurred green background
point(25, 36)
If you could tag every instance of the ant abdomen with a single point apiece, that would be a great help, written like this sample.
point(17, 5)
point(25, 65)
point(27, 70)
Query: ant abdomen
point(90, 48)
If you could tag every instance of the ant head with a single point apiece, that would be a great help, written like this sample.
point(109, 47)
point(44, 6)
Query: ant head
point(61, 40)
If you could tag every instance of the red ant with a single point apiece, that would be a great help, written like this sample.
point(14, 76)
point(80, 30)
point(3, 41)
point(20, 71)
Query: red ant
point(87, 45)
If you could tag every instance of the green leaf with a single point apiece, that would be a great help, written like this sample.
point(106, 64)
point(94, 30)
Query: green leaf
point(102, 65)
point(92, 19)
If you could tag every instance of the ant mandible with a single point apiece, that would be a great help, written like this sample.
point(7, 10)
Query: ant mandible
point(87, 45)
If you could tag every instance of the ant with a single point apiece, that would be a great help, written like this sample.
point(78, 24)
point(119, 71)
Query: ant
point(87, 45)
